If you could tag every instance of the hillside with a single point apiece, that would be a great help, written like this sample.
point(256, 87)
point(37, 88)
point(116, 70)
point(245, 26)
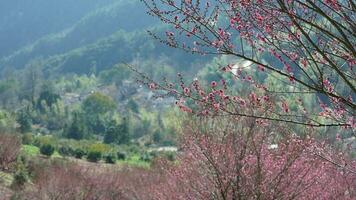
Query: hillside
point(108, 35)
point(23, 22)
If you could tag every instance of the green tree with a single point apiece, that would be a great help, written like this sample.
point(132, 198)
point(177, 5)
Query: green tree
point(49, 98)
point(79, 153)
point(110, 158)
point(125, 135)
point(77, 129)
point(98, 103)
point(112, 133)
point(24, 120)
point(157, 136)
point(96, 106)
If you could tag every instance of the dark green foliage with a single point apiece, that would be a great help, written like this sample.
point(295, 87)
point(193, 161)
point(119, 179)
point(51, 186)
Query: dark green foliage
point(112, 133)
point(171, 156)
point(94, 156)
point(21, 176)
point(121, 155)
point(110, 158)
point(95, 107)
point(49, 98)
point(118, 133)
point(24, 120)
point(47, 149)
point(65, 151)
point(153, 154)
point(147, 157)
point(125, 135)
point(96, 124)
point(77, 129)
point(157, 137)
point(79, 153)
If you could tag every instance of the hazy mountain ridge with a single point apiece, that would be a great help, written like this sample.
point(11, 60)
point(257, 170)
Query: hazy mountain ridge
point(95, 26)
point(23, 22)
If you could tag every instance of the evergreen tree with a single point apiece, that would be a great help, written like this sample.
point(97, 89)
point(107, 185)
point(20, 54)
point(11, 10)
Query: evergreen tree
point(112, 133)
point(24, 120)
point(125, 135)
point(77, 129)
point(49, 98)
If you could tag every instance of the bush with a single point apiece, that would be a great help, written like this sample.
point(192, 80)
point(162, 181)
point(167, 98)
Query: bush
point(21, 176)
point(110, 158)
point(79, 153)
point(121, 155)
point(157, 137)
point(96, 152)
point(154, 154)
point(27, 138)
point(20, 179)
point(47, 149)
point(146, 157)
point(66, 151)
point(94, 156)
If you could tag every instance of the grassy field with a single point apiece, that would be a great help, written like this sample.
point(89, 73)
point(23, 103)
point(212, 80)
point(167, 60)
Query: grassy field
point(134, 161)
point(30, 150)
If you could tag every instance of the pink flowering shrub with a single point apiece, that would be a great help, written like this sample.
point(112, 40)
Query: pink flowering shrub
point(71, 180)
point(241, 160)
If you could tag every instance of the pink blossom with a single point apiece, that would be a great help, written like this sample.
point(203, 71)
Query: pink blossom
point(285, 106)
point(152, 86)
point(186, 90)
point(213, 84)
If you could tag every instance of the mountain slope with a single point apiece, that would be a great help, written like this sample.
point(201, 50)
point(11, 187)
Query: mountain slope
point(101, 23)
point(23, 21)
